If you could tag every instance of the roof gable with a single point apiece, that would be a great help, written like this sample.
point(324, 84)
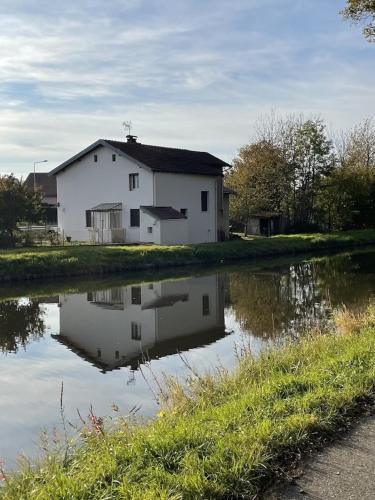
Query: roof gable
point(157, 158)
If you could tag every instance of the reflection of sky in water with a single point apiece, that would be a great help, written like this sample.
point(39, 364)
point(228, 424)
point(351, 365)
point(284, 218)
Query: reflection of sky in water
point(31, 383)
point(246, 301)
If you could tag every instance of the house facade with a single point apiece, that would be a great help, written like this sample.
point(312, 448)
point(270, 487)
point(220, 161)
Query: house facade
point(127, 192)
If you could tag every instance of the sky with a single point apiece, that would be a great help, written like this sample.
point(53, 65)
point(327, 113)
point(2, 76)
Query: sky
point(194, 74)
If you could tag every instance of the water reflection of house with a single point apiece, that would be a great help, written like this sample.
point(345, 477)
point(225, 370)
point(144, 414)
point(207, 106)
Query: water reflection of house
point(123, 325)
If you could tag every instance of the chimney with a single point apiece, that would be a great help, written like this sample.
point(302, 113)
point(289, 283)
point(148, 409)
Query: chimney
point(131, 138)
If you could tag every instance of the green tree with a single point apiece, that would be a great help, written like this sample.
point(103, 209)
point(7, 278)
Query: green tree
point(282, 171)
point(17, 204)
point(312, 160)
point(260, 177)
point(362, 11)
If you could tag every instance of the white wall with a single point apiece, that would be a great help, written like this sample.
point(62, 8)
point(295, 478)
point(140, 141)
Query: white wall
point(184, 191)
point(86, 184)
point(174, 232)
point(148, 221)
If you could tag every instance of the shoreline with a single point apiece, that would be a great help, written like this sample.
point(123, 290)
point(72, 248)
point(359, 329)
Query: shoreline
point(47, 263)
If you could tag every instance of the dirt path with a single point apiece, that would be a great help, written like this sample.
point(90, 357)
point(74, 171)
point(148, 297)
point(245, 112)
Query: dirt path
point(345, 470)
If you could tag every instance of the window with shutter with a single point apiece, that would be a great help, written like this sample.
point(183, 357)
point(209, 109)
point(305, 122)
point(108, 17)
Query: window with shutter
point(204, 201)
point(88, 218)
point(134, 217)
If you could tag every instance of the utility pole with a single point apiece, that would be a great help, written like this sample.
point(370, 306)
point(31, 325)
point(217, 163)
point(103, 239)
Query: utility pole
point(35, 163)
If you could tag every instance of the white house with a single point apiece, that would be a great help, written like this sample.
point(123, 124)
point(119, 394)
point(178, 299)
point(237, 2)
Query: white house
point(127, 192)
point(120, 326)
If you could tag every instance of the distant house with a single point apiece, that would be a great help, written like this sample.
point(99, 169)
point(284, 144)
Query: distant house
point(127, 192)
point(47, 185)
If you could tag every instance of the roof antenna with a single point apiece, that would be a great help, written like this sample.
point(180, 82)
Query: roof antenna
point(128, 125)
point(129, 137)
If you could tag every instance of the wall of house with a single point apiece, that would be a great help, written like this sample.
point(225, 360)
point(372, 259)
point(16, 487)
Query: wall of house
point(174, 232)
point(253, 226)
point(184, 191)
point(86, 184)
point(146, 222)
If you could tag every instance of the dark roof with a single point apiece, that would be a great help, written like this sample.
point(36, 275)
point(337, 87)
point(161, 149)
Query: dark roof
point(228, 190)
point(107, 207)
point(167, 301)
point(44, 182)
point(163, 213)
point(158, 158)
point(159, 350)
point(265, 215)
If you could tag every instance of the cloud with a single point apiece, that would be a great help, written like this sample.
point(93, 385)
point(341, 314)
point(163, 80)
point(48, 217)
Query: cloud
point(187, 73)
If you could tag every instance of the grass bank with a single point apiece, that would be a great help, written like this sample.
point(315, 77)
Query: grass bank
point(225, 435)
point(23, 264)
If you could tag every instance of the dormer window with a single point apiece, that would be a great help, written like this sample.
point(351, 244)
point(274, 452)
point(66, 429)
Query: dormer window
point(95, 158)
point(113, 157)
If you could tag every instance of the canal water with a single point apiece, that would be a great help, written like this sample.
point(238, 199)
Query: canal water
point(107, 340)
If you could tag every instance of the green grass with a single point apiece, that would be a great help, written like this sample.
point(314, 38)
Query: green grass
point(50, 262)
point(225, 435)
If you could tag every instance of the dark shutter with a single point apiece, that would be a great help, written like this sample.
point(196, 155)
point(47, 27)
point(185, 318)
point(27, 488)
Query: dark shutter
point(204, 201)
point(88, 218)
point(206, 305)
point(134, 217)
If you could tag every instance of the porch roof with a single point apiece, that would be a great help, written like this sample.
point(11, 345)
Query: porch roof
point(107, 207)
point(163, 213)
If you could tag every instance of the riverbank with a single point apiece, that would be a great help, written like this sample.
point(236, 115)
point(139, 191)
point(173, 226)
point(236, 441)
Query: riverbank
point(46, 263)
point(227, 434)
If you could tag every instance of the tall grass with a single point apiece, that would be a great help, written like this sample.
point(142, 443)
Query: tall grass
point(87, 260)
point(224, 435)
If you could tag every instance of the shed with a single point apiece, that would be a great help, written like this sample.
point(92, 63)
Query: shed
point(163, 224)
point(265, 223)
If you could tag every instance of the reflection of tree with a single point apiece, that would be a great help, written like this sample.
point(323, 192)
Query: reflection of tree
point(20, 322)
point(350, 278)
point(270, 304)
point(295, 298)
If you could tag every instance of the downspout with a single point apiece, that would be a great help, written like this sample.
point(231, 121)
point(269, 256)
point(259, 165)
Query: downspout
point(216, 210)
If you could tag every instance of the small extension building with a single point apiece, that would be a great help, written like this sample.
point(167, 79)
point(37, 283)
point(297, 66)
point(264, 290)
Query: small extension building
point(128, 192)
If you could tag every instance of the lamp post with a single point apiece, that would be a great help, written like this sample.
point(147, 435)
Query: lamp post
point(35, 163)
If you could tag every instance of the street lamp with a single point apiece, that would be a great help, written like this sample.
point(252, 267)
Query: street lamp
point(35, 163)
